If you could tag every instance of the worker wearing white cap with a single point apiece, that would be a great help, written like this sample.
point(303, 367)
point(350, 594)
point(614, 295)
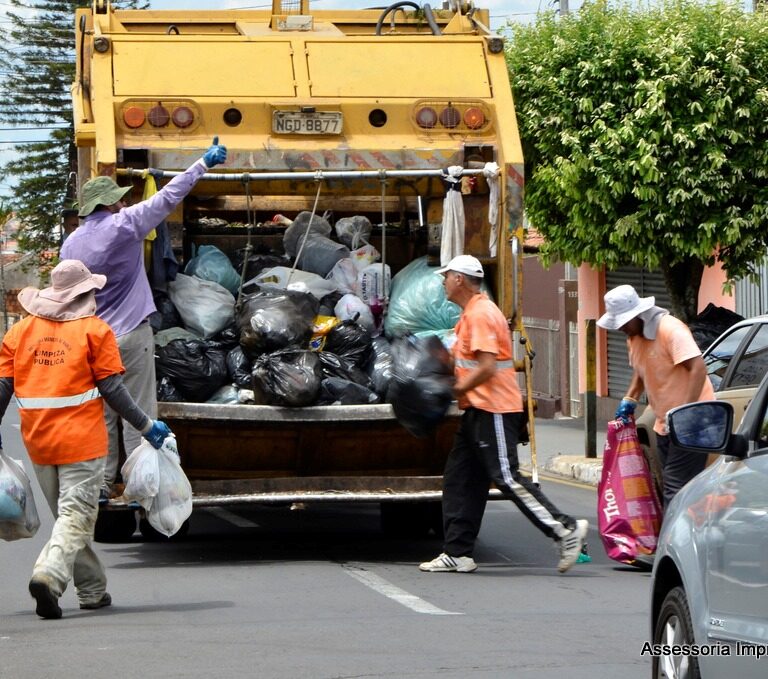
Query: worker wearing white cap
point(485, 448)
point(667, 366)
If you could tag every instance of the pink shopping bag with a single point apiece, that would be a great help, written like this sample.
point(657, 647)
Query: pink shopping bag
point(629, 512)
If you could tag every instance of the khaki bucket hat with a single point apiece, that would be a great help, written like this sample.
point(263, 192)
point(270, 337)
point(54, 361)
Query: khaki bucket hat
point(101, 191)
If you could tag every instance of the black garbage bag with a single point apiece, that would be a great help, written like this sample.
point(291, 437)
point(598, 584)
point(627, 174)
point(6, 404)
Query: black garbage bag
point(239, 368)
point(166, 315)
point(227, 339)
point(351, 341)
point(167, 391)
point(258, 263)
point(328, 304)
point(196, 369)
point(380, 365)
point(336, 366)
point(338, 391)
point(287, 378)
point(294, 234)
point(272, 319)
point(712, 322)
point(421, 389)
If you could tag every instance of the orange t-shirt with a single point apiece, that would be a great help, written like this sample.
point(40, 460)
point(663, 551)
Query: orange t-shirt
point(50, 361)
point(482, 327)
point(658, 361)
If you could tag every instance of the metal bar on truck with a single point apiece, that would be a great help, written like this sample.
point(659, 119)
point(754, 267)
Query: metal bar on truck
point(317, 175)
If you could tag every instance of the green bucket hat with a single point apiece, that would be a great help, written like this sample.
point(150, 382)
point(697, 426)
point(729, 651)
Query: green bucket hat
point(101, 191)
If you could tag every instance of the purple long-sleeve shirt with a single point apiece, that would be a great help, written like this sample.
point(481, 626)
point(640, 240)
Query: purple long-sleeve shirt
point(113, 245)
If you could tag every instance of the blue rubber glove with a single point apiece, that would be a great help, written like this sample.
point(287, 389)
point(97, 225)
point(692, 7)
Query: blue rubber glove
point(157, 433)
point(216, 154)
point(626, 410)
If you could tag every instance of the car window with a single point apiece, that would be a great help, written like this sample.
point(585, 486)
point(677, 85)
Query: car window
point(718, 356)
point(753, 363)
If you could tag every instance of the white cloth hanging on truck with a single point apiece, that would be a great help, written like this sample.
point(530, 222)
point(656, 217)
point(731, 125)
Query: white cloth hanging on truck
point(452, 239)
point(491, 174)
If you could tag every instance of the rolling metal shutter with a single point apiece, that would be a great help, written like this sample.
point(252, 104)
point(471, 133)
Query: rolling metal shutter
point(646, 283)
point(752, 298)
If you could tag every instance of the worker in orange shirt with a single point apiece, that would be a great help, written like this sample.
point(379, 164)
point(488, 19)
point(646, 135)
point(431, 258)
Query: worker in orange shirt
point(62, 362)
point(485, 449)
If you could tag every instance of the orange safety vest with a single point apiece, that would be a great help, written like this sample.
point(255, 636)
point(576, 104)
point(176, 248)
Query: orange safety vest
point(55, 366)
point(482, 327)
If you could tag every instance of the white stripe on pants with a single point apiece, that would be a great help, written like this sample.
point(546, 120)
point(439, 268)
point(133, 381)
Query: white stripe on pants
point(137, 351)
point(72, 493)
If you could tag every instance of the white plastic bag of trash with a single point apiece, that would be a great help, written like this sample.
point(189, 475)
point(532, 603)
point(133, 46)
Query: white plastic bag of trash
point(172, 505)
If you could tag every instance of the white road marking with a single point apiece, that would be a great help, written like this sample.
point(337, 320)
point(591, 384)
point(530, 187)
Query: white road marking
point(382, 586)
point(231, 517)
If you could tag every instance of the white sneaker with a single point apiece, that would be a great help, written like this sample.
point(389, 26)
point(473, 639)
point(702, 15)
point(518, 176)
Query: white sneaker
point(571, 544)
point(449, 564)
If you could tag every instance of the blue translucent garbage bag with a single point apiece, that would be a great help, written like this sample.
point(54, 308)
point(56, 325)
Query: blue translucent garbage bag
point(417, 302)
point(211, 264)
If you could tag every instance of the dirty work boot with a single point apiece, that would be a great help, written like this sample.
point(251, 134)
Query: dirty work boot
point(571, 544)
point(106, 600)
point(47, 601)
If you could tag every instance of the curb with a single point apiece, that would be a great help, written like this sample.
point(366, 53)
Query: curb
point(577, 467)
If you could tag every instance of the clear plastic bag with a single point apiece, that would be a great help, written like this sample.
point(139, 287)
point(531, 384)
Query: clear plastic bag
point(18, 513)
point(172, 505)
point(141, 473)
point(205, 307)
point(280, 277)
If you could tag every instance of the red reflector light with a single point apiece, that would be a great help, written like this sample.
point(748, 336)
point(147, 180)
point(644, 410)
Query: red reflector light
point(158, 116)
point(133, 117)
point(182, 116)
point(426, 117)
point(474, 118)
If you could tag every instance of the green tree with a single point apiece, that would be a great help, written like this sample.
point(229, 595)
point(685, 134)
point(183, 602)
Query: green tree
point(645, 131)
point(37, 67)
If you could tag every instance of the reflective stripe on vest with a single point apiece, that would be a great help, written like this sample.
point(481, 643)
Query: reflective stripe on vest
point(468, 363)
point(58, 401)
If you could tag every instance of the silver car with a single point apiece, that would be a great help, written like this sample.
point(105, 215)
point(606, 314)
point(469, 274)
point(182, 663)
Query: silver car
point(709, 601)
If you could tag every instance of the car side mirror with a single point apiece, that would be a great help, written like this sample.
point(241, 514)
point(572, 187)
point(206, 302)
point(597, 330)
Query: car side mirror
point(703, 427)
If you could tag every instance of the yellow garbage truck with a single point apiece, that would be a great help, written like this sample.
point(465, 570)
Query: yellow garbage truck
point(338, 112)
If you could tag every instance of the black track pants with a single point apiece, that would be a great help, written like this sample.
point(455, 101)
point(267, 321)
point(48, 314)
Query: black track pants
point(677, 467)
point(484, 452)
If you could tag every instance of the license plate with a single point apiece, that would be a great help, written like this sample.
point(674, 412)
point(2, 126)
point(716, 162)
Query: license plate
point(295, 122)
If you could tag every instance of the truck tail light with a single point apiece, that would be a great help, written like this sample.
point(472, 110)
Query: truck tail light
point(182, 116)
point(133, 117)
point(426, 117)
point(158, 116)
point(450, 117)
point(462, 116)
point(474, 118)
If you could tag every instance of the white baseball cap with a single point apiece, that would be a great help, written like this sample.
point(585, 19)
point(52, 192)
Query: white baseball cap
point(622, 304)
point(466, 264)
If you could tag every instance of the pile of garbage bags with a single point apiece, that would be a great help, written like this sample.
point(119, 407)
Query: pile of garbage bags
point(309, 328)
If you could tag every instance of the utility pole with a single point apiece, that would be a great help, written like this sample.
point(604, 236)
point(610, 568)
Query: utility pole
point(564, 7)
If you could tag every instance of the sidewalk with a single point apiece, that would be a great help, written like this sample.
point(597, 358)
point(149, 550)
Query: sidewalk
point(560, 450)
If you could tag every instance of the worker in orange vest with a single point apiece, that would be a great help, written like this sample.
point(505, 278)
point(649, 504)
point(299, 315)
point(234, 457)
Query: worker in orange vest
point(62, 362)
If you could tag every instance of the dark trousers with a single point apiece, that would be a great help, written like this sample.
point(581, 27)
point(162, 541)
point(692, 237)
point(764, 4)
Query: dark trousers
point(677, 467)
point(485, 452)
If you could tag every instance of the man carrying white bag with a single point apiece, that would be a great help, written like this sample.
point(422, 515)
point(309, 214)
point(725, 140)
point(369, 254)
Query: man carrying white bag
point(155, 479)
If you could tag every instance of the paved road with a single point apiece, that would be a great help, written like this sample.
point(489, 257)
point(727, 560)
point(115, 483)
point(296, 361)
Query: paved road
point(322, 593)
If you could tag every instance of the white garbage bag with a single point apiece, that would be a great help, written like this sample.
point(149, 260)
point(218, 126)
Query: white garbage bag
point(172, 505)
point(18, 513)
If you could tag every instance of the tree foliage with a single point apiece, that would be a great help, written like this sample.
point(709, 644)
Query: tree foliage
point(37, 63)
point(645, 131)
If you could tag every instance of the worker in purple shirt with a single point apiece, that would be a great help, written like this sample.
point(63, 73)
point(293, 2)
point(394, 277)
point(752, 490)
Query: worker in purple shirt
point(110, 241)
